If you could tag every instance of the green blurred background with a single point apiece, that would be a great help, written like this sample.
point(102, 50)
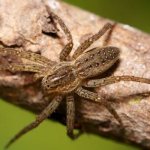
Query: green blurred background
point(51, 135)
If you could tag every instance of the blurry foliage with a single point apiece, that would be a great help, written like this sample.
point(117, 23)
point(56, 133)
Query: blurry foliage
point(135, 12)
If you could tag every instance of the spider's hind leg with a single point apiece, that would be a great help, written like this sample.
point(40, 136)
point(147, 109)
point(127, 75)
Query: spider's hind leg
point(114, 79)
point(94, 97)
point(22, 67)
point(109, 35)
point(87, 43)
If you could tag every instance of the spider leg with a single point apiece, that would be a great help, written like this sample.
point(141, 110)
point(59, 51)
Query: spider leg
point(91, 40)
point(71, 118)
point(40, 71)
point(70, 115)
point(22, 67)
point(20, 53)
point(41, 117)
point(109, 34)
point(114, 79)
point(68, 47)
point(94, 97)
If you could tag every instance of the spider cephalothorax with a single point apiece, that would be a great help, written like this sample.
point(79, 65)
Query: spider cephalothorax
point(63, 78)
point(70, 75)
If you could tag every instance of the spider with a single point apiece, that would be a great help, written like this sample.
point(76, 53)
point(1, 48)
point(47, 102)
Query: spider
point(70, 75)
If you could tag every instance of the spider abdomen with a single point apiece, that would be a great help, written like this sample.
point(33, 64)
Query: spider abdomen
point(96, 61)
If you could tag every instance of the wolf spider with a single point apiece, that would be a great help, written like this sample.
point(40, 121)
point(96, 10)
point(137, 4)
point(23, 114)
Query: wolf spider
point(70, 75)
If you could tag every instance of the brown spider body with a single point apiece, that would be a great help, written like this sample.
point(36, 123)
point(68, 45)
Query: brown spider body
point(67, 76)
point(70, 75)
point(63, 79)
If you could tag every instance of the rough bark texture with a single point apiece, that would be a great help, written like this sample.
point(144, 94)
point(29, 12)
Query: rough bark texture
point(21, 24)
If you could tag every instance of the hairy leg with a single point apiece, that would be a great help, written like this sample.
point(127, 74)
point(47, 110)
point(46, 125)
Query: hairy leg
point(94, 97)
point(114, 79)
point(109, 34)
point(70, 115)
point(23, 67)
point(91, 40)
point(20, 53)
point(68, 47)
point(41, 117)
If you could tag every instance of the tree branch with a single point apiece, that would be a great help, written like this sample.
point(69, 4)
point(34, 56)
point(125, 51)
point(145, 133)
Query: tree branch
point(24, 27)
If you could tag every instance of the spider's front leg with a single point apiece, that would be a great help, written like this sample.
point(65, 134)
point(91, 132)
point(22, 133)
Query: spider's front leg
point(20, 53)
point(114, 79)
point(23, 67)
point(109, 35)
point(40, 118)
point(64, 55)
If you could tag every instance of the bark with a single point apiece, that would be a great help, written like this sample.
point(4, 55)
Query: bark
point(24, 25)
